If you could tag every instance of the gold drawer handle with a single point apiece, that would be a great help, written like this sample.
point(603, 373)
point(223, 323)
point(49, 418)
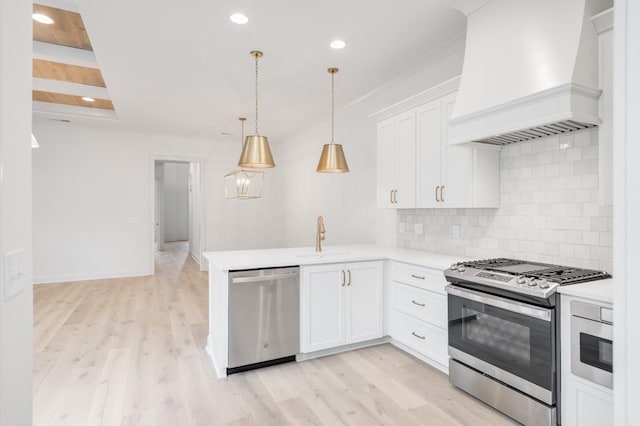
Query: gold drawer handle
point(417, 277)
point(419, 304)
point(417, 335)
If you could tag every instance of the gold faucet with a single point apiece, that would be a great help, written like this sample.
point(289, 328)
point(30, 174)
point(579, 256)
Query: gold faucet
point(319, 233)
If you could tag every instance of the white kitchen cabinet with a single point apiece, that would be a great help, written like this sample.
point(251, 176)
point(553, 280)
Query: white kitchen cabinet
point(604, 26)
point(584, 403)
point(416, 166)
point(418, 315)
point(341, 304)
point(452, 176)
point(396, 161)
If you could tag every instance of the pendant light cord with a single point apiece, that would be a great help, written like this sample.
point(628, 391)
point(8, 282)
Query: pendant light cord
point(256, 94)
point(332, 103)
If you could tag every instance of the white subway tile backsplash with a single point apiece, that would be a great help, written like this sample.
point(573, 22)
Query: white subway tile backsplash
point(549, 209)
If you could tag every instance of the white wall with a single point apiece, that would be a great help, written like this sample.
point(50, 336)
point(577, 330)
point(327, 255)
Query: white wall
point(16, 314)
point(93, 196)
point(176, 201)
point(348, 201)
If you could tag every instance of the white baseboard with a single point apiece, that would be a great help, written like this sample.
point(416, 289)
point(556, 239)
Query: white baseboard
point(63, 278)
point(195, 257)
point(339, 349)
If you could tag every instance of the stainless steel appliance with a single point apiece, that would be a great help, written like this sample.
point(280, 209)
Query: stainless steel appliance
point(264, 317)
point(592, 342)
point(503, 330)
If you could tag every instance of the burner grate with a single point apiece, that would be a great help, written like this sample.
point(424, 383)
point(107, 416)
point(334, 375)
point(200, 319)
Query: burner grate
point(499, 262)
point(568, 275)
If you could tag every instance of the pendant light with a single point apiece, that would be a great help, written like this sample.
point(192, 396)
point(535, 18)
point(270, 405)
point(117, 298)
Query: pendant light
point(255, 151)
point(332, 159)
point(243, 184)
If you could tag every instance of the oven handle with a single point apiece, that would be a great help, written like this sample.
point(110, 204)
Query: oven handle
point(500, 302)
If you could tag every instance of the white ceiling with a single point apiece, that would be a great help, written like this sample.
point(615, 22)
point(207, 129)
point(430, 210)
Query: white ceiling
point(184, 67)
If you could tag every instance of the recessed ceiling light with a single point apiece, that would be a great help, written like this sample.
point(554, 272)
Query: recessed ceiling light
point(88, 99)
point(239, 18)
point(42, 18)
point(338, 44)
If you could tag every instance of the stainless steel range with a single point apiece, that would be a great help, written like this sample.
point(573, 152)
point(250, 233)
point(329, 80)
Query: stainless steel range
point(503, 329)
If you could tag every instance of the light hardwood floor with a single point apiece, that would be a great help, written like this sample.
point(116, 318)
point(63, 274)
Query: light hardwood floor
point(131, 352)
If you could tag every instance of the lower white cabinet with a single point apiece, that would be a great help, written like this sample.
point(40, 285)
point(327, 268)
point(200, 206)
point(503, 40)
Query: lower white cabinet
point(418, 312)
point(421, 336)
point(584, 403)
point(341, 304)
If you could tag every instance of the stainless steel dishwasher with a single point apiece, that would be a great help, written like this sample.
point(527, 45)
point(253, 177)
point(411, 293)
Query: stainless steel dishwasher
point(264, 317)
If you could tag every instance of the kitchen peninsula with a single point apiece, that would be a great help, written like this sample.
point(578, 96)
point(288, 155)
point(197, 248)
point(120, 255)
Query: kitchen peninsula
point(415, 274)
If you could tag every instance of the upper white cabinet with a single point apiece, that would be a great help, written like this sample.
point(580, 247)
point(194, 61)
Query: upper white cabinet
point(396, 161)
point(604, 25)
point(414, 154)
point(341, 304)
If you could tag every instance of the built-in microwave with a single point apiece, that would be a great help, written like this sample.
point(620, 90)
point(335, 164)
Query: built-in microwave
point(592, 342)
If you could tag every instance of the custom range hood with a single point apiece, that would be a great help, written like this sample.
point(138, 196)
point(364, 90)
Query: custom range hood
point(530, 70)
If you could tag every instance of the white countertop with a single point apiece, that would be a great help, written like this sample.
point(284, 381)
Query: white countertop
point(268, 258)
point(601, 290)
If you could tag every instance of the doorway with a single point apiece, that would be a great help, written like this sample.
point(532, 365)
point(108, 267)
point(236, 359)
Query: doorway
point(177, 207)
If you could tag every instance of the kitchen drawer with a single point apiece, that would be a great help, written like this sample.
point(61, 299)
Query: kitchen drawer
point(422, 304)
point(425, 278)
point(421, 336)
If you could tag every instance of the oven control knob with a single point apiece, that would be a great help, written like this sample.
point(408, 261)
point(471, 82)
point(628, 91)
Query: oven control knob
point(521, 279)
point(544, 284)
point(533, 283)
point(454, 267)
point(461, 268)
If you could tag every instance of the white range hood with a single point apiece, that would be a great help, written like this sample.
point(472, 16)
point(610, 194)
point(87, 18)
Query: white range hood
point(530, 70)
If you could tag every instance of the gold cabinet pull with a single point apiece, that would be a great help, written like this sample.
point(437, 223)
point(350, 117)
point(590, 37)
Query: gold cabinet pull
point(417, 303)
point(417, 335)
point(420, 277)
point(442, 194)
point(395, 196)
point(349, 273)
point(437, 199)
point(344, 281)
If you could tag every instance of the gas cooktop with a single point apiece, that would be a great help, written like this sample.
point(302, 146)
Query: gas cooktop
point(520, 276)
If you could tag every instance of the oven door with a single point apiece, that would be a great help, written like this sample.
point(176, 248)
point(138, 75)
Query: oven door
point(511, 341)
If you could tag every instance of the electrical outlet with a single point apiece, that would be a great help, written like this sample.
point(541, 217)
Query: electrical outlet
point(456, 231)
point(13, 274)
point(418, 228)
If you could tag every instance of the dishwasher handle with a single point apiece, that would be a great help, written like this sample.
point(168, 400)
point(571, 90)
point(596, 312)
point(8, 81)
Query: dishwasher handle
point(263, 278)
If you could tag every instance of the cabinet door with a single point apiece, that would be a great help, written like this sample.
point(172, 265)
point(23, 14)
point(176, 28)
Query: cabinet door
point(323, 306)
point(386, 162)
point(364, 301)
point(605, 130)
point(405, 161)
point(428, 152)
point(457, 164)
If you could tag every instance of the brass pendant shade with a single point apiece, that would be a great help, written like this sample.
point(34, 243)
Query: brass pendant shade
point(332, 159)
point(255, 151)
